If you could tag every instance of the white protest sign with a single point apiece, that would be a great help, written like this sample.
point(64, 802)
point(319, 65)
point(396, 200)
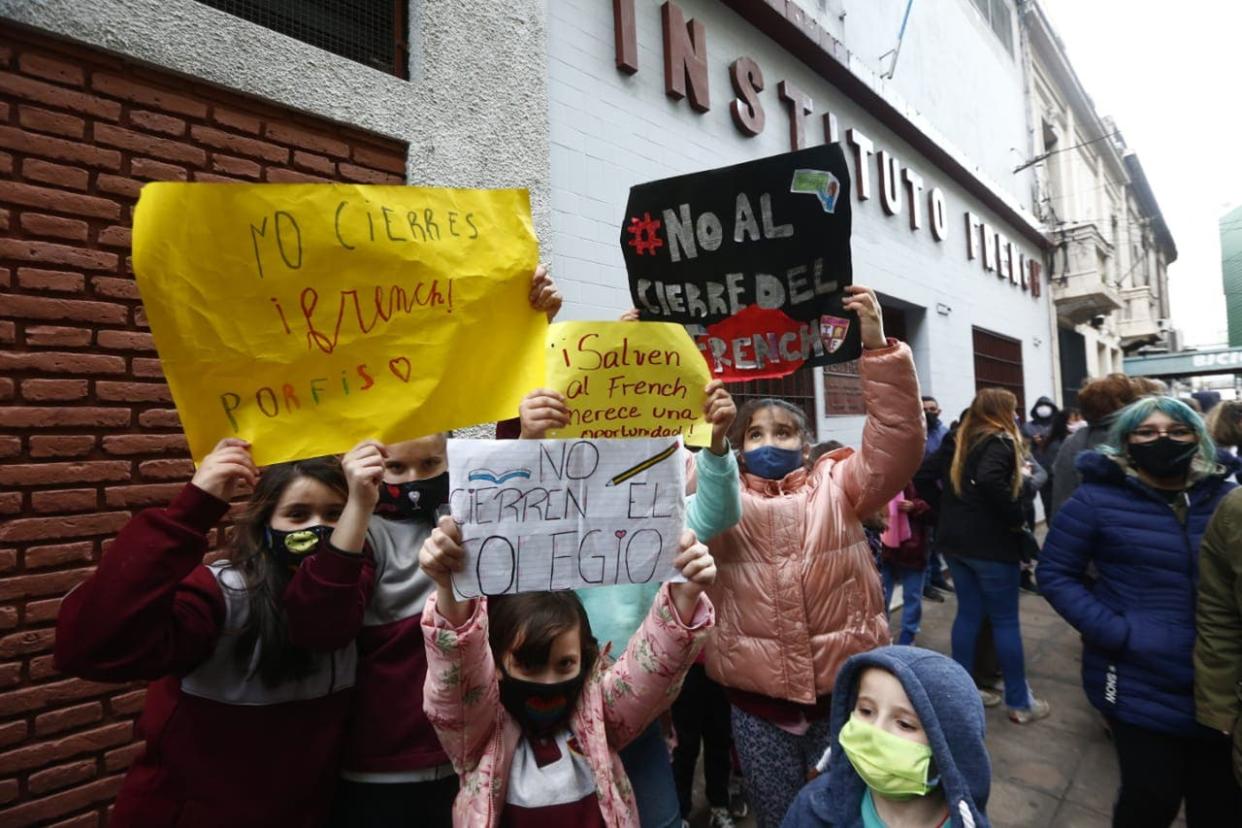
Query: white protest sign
point(565, 514)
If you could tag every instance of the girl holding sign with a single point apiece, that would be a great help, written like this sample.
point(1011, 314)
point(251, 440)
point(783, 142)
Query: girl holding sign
point(531, 716)
point(616, 612)
point(797, 580)
point(250, 681)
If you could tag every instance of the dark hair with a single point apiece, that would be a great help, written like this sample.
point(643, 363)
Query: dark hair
point(737, 435)
point(532, 621)
point(266, 626)
point(931, 399)
point(820, 449)
point(1059, 429)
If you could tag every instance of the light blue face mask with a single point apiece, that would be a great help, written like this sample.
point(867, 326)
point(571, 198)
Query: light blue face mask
point(772, 463)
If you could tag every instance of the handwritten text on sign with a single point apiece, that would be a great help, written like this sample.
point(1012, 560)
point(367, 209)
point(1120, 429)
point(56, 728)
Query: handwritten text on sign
point(565, 514)
point(306, 317)
point(771, 236)
point(629, 379)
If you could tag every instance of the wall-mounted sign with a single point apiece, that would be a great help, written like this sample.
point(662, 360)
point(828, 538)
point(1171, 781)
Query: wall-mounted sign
point(900, 188)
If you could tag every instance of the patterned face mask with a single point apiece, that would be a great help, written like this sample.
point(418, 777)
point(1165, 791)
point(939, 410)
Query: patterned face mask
point(291, 548)
point(541, 709)
point(414, 500)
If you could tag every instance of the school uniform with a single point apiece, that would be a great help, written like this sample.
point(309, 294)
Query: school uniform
point(222, 747)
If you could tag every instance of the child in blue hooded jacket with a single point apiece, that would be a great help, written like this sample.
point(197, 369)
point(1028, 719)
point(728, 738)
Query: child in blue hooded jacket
point(907, 746)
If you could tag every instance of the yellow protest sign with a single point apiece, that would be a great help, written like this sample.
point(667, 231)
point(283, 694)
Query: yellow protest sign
point(306, 317)
point(629, 379)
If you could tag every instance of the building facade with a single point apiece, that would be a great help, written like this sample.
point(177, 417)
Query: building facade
point(576, 100)
point(1109, 266)
point(1231, 272)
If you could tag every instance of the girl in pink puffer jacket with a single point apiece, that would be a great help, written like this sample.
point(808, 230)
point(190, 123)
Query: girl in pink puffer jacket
point(798, 592)
point(530, 714)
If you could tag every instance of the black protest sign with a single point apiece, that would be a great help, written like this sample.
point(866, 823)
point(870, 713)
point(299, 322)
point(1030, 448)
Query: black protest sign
point(753, 257)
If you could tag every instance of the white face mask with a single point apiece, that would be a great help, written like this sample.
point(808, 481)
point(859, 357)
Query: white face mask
point(1043, 411)
point(1074, 426)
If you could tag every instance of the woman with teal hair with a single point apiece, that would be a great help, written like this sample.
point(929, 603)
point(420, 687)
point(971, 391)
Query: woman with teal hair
point(1138, 518)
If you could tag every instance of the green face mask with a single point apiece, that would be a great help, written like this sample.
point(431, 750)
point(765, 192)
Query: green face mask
point(891, 766)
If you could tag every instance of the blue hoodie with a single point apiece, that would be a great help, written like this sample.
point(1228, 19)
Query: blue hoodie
point(947, 703)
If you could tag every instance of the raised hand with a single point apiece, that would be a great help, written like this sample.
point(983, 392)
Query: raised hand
point(543, 293)
point(720, 411)
point(862, 301)
point(540, 411)
point(228, 464)
point(698, 567)
point(630, 315)
point(364, 471)
point(441, 556)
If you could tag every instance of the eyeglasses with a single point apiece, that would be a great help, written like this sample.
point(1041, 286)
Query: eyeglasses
point(1177, 433)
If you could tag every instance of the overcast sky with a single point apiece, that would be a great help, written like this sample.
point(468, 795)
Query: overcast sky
point(1169, 74)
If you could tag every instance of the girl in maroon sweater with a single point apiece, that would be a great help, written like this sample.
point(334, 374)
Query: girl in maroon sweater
point(250, 672)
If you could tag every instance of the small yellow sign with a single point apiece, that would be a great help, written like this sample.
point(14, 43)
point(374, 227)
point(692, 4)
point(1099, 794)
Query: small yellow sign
point(306, 317)
point(629, 379)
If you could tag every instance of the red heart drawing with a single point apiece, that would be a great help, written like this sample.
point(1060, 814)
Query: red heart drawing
point(620, 533)
point(396, 364)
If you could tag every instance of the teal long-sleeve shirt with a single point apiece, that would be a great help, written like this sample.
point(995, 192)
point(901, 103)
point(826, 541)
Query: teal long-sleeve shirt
point(616, 612)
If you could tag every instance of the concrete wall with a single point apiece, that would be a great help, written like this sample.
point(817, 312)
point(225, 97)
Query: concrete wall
point(474, 111)
point(610, 131)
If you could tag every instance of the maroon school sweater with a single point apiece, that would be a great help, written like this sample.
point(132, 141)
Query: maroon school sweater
point(389, 735)
point(222, 748)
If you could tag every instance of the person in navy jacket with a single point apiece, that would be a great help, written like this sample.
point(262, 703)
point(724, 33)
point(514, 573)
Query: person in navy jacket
point(1138, 517)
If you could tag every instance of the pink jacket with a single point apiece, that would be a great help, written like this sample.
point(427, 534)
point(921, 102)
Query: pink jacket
point(462, 700)
point(796, 586)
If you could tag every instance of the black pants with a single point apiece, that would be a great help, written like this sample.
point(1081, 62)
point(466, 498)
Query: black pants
point(1159, 770)
point(701, 713)
point(376, 805)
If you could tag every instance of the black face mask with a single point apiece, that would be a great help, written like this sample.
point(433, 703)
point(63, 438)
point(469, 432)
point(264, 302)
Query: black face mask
point(541, 709)
point(933, 420)
point(414, 500)
point(291, 548)
point(1163, 457)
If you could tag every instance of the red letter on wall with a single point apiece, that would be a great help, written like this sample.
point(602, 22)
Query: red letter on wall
point(626, 36)
point(746, 110)
point(685, 58)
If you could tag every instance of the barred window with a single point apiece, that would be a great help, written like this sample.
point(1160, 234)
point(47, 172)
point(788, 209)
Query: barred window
point(371, 32)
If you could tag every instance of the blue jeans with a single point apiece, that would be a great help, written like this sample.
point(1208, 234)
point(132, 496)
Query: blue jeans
point(912, 597)
point(990, 589)
point(650, 770)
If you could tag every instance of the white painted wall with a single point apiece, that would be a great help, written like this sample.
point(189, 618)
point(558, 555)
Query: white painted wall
point(956, 73)
point(610, 131)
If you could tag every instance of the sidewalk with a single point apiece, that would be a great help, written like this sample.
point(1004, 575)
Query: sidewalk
point(1058, 772)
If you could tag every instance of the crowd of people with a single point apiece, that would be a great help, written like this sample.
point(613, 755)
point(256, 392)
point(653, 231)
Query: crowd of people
point(322, 671)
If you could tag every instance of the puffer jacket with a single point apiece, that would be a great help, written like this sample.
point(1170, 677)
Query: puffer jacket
point(985, 521)
point(1218, 648)
point(1137, 618)
point(796, 590)
point(617, 703)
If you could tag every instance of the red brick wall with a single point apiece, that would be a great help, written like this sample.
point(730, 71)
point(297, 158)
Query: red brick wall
point(88, 434)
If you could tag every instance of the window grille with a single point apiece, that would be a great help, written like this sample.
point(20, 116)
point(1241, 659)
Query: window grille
point(371, 32)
